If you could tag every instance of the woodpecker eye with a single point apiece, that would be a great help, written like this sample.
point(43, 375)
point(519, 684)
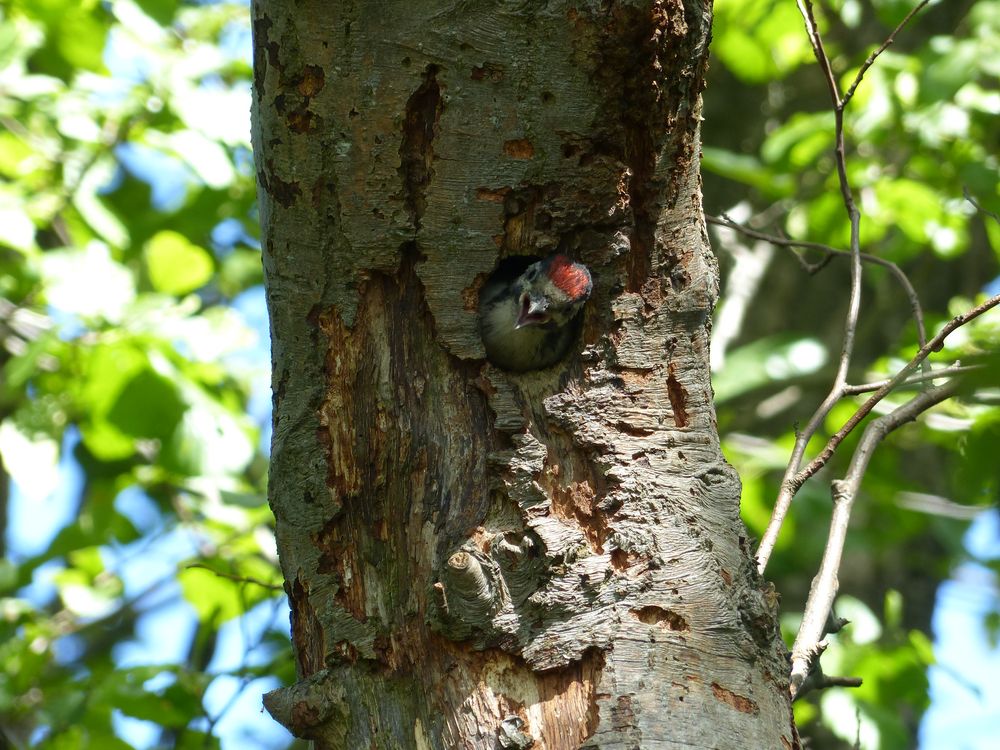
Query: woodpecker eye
point(532, 273)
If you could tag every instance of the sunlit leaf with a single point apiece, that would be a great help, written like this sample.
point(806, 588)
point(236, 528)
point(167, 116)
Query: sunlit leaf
point(87, 282)
point(31, 460)
point(161, 11)
point(17, 230)
point(215, 598)
point(208, 441)
point(766, 362)
point(176, 265)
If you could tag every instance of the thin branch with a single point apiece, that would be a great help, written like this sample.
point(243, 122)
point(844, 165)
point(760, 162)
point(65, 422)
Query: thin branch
point(812, 29)
point(794, 475)
point(885, 45)
point(829, 251)
point(933, 345)
point(819, 681)
point(968, 196)
point(935, 505)
point(793, 480)
point(923, 377)
point(806, 649)
point(854, 303)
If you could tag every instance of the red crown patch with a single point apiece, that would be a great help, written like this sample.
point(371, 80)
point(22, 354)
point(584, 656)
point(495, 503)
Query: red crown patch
point(572, 278)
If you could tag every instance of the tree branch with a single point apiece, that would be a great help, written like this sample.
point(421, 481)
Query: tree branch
point(794, 475)
point(923, 377)
point(854, 304)
point(896, 271)
point(807, 646)
point(885, 45)
point(817, 680)
point(791, 482)
point(968, 196)
point(933, 345)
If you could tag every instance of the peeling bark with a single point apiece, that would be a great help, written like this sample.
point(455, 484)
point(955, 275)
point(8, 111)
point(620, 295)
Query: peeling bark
point(476, 559)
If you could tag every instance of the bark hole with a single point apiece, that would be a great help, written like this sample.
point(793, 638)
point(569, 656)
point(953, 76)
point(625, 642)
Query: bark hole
point(739, 702)
point(678, 399)
point(663, 618)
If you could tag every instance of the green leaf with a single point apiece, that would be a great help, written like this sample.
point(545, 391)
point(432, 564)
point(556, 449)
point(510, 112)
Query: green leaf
point(75, 36)
point(744, 56)
point(31, 460)
point(243, 499)
point(893, 609)
point(17, 230)
point(192, 739)
point(240, 270)
point(148, 406)
point(161, 11)
point(759, 40)
point(176, 265)
point(800, 140)
point(215, 598)
point(956, 63)
point(865, 627)
point(9, 578)
point(919, 212)
point(766, 361)
point(131, 698)
point(748, 170)
point(107, 369)
point(94, 208)
point(14, 152)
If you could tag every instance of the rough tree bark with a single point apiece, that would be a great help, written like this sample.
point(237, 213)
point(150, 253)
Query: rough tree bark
point(476, 559)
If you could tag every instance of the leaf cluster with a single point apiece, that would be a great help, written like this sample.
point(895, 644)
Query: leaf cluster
point(128, 261)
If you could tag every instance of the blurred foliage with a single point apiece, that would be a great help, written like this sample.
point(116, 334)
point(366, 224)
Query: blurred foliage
point(127, 247)
point(922, 132)
point(128, 238)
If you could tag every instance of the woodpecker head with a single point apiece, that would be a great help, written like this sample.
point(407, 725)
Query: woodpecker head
point(551, 291)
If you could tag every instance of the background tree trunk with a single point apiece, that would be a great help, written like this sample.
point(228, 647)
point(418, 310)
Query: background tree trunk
point(476, 559)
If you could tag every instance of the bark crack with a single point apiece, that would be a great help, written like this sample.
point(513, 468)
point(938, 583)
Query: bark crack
point(416, 151)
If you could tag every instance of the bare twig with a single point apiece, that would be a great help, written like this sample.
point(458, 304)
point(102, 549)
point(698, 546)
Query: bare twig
point(968, 196)
point(933, 345)
point(791, 482)
point(935, 505)
point(885, 45)
point(803, 437)
point(812, 29)
point(794, 475)
point(923, 377)
point(819, 681)
point(829, 251)
point(807, 646)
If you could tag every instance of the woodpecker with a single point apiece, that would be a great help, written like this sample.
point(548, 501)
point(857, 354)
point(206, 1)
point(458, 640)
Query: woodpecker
point(529, 322)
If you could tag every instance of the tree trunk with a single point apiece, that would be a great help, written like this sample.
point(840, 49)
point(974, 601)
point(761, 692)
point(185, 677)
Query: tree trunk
point(478, 559)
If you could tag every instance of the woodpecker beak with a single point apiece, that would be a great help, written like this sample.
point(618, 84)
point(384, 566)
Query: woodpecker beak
point(533, 312)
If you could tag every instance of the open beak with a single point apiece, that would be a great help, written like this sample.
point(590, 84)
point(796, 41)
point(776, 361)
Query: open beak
point(532, 313)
